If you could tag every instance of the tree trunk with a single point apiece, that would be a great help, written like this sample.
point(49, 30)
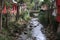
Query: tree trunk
point(0, 22)
point(0, 15)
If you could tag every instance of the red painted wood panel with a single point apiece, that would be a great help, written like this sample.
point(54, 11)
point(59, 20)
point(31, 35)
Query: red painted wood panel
point(58, 2)
point(58, 10)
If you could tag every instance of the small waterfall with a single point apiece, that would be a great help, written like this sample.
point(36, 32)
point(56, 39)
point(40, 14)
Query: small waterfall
point(36, 30)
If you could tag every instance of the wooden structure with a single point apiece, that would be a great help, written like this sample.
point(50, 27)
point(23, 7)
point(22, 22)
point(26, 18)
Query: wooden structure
point(58, 10)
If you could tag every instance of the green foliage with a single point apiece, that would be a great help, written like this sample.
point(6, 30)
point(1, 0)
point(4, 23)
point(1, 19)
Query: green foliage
point(30, 5)
point(26, 15)
point(8, 4)
point(15, 26)
point(48, 2)
point(5, 35)
point(5, 38)
point(43, 17)
point(26, 0)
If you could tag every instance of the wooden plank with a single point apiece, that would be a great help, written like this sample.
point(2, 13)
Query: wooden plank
point(34, 11)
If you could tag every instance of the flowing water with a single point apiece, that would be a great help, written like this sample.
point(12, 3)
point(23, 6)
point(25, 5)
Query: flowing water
point(36, 29)
point(35, 32)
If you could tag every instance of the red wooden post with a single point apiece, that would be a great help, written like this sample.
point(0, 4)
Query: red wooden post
point(58, 10)
point(58, 14)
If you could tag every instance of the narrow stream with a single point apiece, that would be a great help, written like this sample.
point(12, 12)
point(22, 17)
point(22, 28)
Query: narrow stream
point(35, 33)
point(37, 30)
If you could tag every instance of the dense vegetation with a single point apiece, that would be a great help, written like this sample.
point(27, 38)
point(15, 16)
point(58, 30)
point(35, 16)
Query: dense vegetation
point(12, 28)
